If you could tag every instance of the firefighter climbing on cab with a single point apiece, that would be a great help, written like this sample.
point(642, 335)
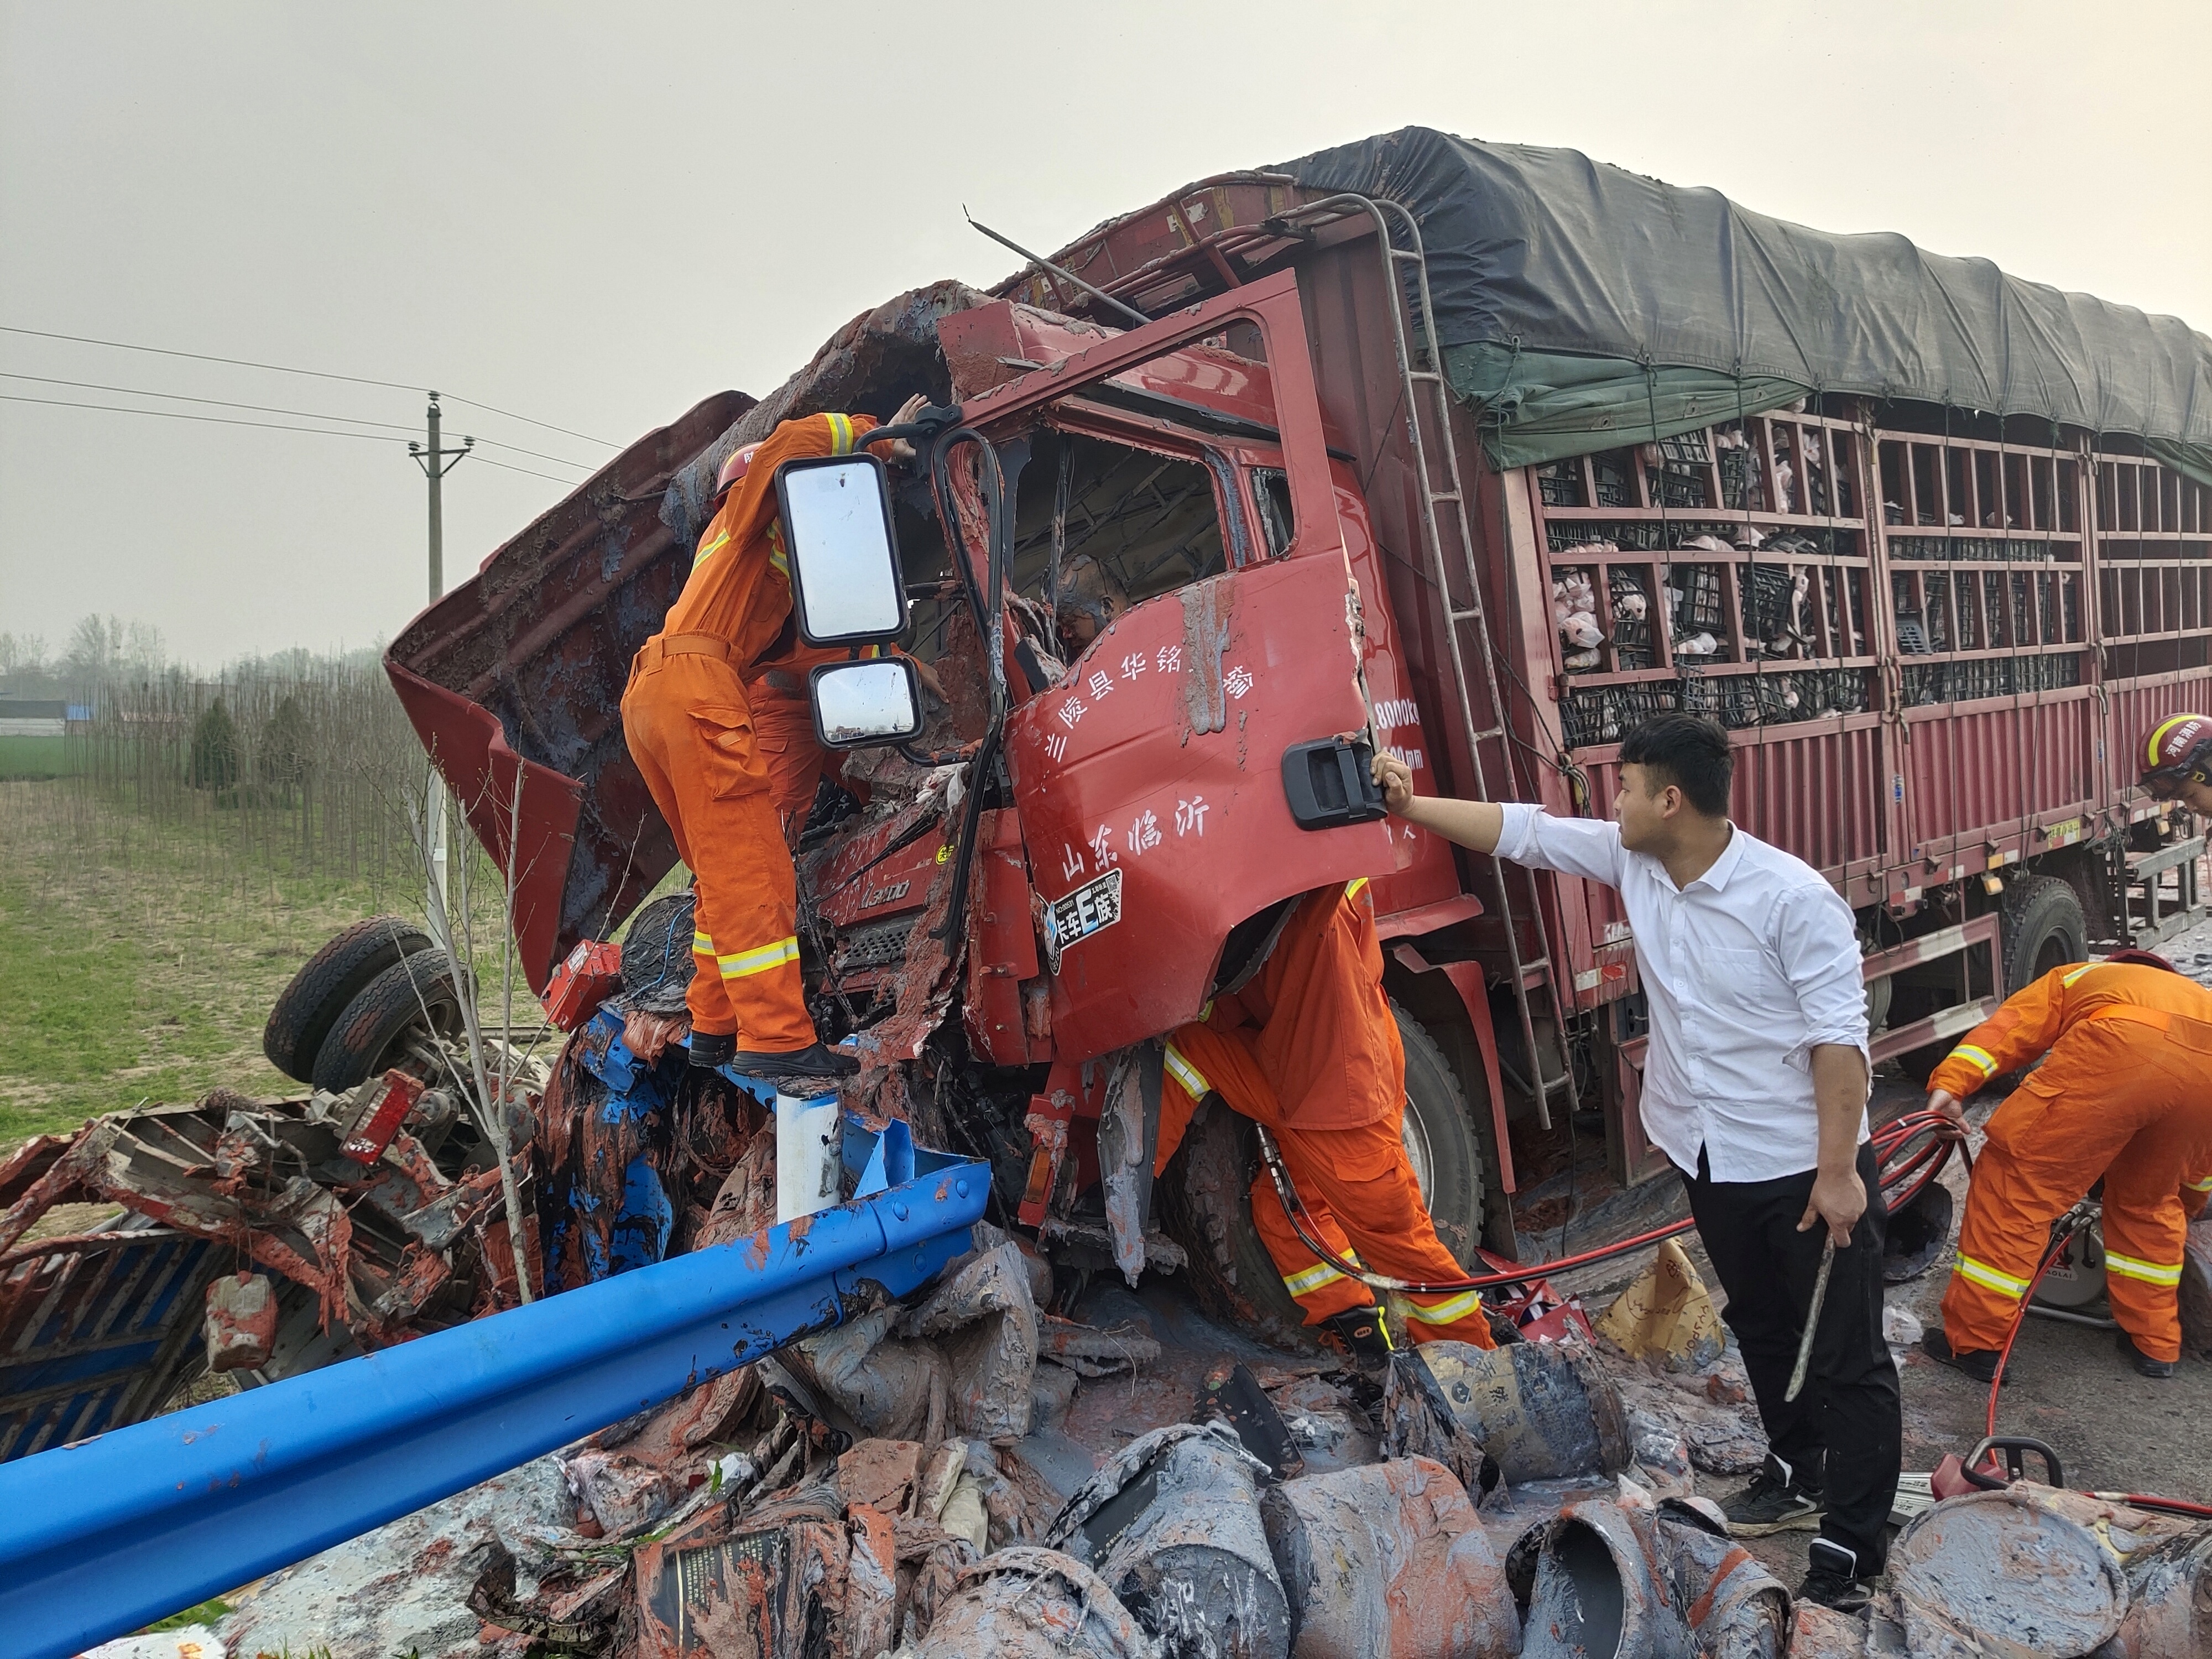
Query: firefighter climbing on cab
point(2122, 1095)
point(1309, 1050)
point(690, 728)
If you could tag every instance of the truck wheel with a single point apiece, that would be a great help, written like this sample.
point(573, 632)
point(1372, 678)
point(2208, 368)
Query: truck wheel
point(1205, 1204)
point(410, 1003)
point(2044, 928)
point(333, 977)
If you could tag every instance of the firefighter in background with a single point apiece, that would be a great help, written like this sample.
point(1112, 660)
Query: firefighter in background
point(691, 729)
point(1310, 1050)
point(2177, 764)
point(2125, 1094)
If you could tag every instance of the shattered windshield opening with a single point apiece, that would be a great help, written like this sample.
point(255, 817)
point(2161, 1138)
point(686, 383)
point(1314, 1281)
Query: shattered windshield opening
point(1151, 521)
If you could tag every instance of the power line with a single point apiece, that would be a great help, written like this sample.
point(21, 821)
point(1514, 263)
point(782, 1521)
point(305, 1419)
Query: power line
point(219, 402)
point(283, 368)
point(204, 357)
point(263, 408)
point(603, 443)
point(213, 420)
point(504, 466)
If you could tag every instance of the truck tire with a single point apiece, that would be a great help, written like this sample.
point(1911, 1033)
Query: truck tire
point(2044, 928)
point(412, 999)
point(1204, 1206)
point(306, 1008)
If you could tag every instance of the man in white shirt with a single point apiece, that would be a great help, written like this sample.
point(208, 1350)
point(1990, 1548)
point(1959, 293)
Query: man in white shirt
point(1755, 1086)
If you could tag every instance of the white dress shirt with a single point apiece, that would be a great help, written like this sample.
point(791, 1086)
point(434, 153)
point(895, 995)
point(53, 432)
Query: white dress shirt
point(1746, 969)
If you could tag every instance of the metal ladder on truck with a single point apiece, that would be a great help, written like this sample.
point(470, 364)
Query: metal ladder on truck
point(1535, 979)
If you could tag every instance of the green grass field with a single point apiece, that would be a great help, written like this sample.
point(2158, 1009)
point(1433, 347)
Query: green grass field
point(33, 758)
point(138, 960)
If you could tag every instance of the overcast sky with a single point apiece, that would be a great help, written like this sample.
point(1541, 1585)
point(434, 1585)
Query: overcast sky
point(593, 216)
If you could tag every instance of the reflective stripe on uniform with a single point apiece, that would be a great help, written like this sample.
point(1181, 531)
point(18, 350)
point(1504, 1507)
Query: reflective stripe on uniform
point(700, 944)
point(2150, 1272)
point(1311, 1279)
point(2078, 972)
point(1984, 1061)
point(2203, 1186)
point(775, 554)
point(1450, 1311)
point(841, 434)
point(713, 548)
point(1191, 1080)
point(1981, 1274)
point(1351, 889)
point(746, 963)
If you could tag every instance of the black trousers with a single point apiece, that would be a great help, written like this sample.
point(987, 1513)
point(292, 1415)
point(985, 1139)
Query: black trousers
point(1842, 1435)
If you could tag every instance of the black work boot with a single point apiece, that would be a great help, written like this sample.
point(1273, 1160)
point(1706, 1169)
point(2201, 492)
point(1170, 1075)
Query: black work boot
point(712, 1049)
point(1775, 1501)
point(1832, 1578)
point(1980, 1364)
point(1364, 1331)
point(813, 1061)
point(2144, 1364)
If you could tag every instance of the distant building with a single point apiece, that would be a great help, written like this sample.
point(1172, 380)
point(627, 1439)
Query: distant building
point(25, 717)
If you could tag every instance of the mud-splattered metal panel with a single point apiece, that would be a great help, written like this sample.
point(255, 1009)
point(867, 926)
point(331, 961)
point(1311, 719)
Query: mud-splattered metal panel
point(95, 1331)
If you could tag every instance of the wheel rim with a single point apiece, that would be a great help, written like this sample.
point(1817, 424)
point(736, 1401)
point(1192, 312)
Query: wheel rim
point(1415, 1139)
point(2054, 952)
point(444, 1022)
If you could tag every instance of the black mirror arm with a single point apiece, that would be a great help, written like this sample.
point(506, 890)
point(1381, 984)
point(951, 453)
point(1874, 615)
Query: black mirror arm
point(991, 622)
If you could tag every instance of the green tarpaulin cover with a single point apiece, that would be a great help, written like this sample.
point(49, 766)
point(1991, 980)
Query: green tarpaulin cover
point(1584, 307)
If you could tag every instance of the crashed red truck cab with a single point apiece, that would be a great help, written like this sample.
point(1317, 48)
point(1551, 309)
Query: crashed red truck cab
point(1345, 525)
point(1139, 838)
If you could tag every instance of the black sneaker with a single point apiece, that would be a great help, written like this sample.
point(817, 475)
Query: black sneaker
point(1831, 1579)
point(710, 1049)
point(1364, 1331)
point(1773, 1502)
point(811, 1062)
point(2144, 1364)
point(1980, 1364)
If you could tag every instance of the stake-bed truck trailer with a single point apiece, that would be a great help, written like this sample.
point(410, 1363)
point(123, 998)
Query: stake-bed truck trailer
point(1480, 453)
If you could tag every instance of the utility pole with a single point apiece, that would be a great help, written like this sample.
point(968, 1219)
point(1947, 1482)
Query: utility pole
point(437, 463)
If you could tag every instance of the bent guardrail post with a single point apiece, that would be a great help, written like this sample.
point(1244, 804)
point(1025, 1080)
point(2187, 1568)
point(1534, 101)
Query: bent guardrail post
point(99, 1538)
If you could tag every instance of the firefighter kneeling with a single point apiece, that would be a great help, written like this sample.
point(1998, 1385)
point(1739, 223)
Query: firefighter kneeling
point(1310, 1051)
point(2124, 1094)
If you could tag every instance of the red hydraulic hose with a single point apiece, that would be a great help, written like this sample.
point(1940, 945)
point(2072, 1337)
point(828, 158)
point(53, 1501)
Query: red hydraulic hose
point(1920, 1167)
point(2074, 1223)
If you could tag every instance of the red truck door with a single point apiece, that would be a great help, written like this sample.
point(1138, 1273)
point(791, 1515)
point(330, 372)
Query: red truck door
point(1150, 782)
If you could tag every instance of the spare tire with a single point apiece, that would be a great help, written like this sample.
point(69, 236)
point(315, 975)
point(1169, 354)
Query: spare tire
point(333, 977)
point(1205, 1204)
point(410, 1002)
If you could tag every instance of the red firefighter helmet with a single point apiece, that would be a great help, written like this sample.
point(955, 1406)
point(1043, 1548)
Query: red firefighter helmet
point(2179, 751)
point(735, 467)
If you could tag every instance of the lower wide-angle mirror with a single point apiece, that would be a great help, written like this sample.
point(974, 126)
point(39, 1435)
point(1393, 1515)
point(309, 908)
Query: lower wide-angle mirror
point(857, 704)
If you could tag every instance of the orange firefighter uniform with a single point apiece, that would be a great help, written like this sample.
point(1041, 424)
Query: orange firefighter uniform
point(783, 723)
point(1310, 1050)
point(2125, 1093)
point(692, 731)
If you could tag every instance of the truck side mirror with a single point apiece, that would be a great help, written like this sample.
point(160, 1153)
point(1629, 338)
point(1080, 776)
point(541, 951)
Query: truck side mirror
point(846, 587)
point(860, 705)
